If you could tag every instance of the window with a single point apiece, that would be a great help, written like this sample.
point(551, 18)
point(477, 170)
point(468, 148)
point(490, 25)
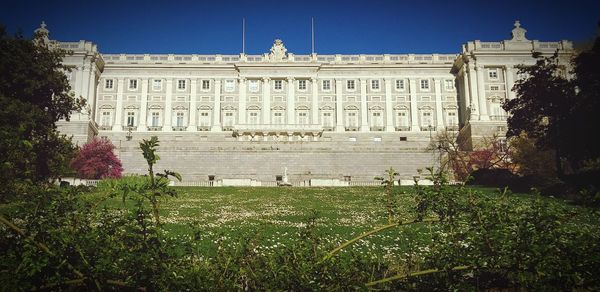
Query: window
point(303, 118)
point(179, 119)
point(399, 84)
point(278, 118)
point(376, 120)
point(375, 84)
point(228, 120)
point(229, 85)
point(157, 85)
point(351, 119)
point(277, 84)
point(301, 84)
point(132, 84)
point(350, 85)
point(130, 119)
point(181, 84)
point(253, 85)
point(426, 120)
point(425, 84)
point(494, 87)
point(205, 84)
point(155, 119)
point(326, 84)
point(493, 73)
point(108, 84)
point(106, 119)
point(401, 119)
point(204, 119)
point(449, 85)
point(253, 119)
point(451, 118)
point(327, 120)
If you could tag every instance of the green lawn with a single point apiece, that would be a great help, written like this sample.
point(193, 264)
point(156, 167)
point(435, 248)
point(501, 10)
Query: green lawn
point(275, 216)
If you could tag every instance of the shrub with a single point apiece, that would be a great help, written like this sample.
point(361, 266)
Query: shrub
point(96, 160)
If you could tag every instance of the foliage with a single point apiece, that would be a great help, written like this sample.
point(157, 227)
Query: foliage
point(557, 112)
point(492, 153)
point(96, 160)
point(388, 182)
point(34, 95)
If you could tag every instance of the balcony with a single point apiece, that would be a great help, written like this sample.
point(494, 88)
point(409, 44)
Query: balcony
point(105, 128)
point(351, 129)
point(428, 128)
point(402, 128)
point(376, 128)
point(179, 128)
point(499, 118)
point(283, 128)
point(127, 128)
point(155, 128)
point(452, 128)
point(203, 128)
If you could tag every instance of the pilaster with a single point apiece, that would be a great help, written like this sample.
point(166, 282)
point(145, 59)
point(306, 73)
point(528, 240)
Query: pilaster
point(143, 107)
point(242, 101)
point(117, 126)
point(291, 100)
point(192, 126)
point(483, 111)
point(339, 110)
point(510, 82)
point(315, 101)
point(364, 123)
point(414, 110)
point(438, 104)
point(266, 110)
point(216, 126)
point(389, 118)
point(167, 125)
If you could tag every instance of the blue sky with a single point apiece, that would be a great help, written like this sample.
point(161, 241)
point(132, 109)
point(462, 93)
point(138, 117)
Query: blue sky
point(375, 26)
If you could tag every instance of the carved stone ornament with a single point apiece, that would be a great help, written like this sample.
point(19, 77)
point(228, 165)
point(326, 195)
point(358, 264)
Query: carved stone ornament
point(278, 52)
point(518, 33)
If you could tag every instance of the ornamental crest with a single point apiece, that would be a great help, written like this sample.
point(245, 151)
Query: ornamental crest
point(518, 33)
point(278, 52)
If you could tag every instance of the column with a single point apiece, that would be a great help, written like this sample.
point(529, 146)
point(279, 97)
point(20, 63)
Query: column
point(483, 111)
point(142, 125)
point(117, 126)
point(339, 110)
point(364, 122)
point(439, 117)
point(473, 93)
point(315, 102)
point(266, 110)
point(85, 82)
point(291, 101)
point(389, 111)
point(242, 102)
point(414, 111)
point(192, 126)
point(167, 124)
point(79, 82)
point(92, 94)
point(466, 93)
point(510, 82)
point(216, 125)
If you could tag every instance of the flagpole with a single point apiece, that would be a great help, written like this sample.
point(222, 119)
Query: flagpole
point(312, 34)
point(244, 35)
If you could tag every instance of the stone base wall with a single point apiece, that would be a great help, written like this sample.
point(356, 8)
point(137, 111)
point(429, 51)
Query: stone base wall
point(355, 156)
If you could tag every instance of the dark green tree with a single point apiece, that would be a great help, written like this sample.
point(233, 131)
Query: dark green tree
point(34, 95)
point(558, 111)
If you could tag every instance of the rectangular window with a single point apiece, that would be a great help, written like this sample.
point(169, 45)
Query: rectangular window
point(108, 84)
point(253, 85)
point(426, 119)
point(350, 85)
point(105, 121)
point(228, 120)
point(399, 84)
point(494, 87)
point(326, 84)
point(351, 119)
point(401, 119)
point(132, 84)
point(278, 118)
point(425, 84)
point(278, 84)
point(204, 119)
point(181, 84)
point(157, 85)
point(449, 85)
point(301, 84)
point(179, 119)
point(253, 118)
point(493, 73)
point(376, 120)
point(375, 84)
point(302, 118)
point(130, 119)
point(205, 84)
point(229, 85)
point(155, 119)
point(452, 118)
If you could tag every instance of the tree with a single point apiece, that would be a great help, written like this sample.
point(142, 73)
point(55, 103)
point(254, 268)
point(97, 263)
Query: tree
point(96, 160)
point(558, 112)
point(34, 95)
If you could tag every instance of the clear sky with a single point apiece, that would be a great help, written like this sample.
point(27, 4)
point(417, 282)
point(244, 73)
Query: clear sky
point(375, 26)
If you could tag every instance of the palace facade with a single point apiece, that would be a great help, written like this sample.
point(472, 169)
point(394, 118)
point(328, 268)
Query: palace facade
point(248, 118)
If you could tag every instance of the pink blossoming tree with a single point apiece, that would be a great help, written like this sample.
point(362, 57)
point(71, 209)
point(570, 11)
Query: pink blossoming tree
point(96, 160)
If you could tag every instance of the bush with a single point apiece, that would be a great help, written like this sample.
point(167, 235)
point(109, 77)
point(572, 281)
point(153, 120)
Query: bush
point(96, 160)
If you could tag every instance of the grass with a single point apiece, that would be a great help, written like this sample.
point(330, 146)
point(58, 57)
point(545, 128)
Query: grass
point(276, 216)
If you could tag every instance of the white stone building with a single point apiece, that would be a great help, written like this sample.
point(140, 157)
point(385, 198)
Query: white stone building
point(247, 117)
